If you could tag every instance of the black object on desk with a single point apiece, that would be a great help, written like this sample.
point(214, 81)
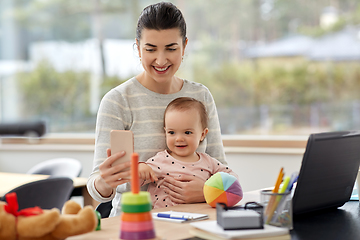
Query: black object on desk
point(328, 171)
point(337, 224)
point(249, 216)
point(23, 128)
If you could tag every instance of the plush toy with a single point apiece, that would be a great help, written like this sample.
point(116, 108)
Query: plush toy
point(38, 224)
point(223, 188)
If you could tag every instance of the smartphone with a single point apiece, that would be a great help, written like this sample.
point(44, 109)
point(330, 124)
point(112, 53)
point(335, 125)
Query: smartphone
point(122, 140)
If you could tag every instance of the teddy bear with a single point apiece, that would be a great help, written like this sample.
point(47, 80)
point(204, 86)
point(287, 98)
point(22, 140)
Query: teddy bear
point(41, 224)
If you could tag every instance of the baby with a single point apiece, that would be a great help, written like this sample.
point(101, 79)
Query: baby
point(185, 124)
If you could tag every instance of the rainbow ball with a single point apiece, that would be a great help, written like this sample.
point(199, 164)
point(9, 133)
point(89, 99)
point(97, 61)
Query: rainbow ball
point(222, 188)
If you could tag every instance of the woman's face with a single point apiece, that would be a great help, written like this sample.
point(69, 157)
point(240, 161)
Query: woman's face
point(161, 53)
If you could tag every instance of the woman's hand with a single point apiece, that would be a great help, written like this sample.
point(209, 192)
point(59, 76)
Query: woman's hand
point(184, 189)
point(112, 176)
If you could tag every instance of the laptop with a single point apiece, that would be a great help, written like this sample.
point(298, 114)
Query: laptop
point(328, 171)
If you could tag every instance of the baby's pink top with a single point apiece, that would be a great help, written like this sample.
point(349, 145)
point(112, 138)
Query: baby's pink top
point(163, 164)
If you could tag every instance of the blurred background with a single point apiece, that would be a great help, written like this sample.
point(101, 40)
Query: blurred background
point(274, 67)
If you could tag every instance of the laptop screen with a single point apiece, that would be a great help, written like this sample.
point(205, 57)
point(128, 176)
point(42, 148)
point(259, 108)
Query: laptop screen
point(328, 171)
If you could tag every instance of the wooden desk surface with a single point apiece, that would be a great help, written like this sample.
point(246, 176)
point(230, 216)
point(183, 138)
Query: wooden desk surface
point(110, 227)
point(342, 223)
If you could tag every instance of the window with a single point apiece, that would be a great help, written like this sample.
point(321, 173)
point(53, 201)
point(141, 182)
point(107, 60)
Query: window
point(273, 66)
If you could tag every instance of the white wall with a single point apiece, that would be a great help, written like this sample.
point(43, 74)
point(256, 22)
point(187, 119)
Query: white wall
point(260, 170)
point(15, 159)
point(256, 169)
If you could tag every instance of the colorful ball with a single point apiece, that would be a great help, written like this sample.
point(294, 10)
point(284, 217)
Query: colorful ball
point(222, 188)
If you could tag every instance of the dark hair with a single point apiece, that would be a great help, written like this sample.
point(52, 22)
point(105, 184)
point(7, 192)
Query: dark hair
point(161, 16)
point(186, 103)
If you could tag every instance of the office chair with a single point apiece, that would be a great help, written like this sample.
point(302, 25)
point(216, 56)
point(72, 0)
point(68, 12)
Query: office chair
point(46, 194)
point(104, 209)
point(58, 167)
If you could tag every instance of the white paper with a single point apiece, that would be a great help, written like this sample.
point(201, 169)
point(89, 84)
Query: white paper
point(213, 227)
point(195, 216)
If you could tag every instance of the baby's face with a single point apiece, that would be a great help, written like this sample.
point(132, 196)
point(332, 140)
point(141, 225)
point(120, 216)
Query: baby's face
point(183, 132)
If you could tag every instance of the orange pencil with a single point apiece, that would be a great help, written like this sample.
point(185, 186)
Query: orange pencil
point(135, 173)
point(275, 190)
point(279, 180)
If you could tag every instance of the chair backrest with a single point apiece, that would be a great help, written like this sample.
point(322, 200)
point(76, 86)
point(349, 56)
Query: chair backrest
point(58, 167)
point(46, 194)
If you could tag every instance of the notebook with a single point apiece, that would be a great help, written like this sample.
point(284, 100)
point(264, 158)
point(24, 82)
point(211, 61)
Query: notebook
point(328, 171)
point(179, 217)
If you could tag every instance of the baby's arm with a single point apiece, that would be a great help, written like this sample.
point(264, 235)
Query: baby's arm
point(146, 173)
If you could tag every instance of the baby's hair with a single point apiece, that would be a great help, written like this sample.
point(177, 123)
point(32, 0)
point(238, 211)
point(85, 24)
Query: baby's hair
point(186, 103)
point(161, 16)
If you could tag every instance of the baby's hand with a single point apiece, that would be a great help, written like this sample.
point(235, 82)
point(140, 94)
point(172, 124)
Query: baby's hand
point(146, 173)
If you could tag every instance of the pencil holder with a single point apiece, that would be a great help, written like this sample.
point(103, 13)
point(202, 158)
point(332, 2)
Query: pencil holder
point(278, 208)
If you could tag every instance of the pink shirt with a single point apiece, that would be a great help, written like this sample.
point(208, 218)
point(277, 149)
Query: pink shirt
point(163, 164)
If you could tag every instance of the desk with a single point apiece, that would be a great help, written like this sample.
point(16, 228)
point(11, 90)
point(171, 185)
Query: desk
point(9, 181)
point(342, 223)
point(110, 227)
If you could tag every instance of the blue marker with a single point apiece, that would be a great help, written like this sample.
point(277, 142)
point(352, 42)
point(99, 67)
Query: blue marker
point(174, 216)
point(293, 179)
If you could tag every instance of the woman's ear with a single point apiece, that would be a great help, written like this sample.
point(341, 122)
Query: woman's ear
point(203, 134)
point(138, 47)
point(185, 44)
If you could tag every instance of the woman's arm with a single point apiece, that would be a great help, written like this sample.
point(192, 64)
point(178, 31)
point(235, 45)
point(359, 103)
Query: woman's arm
point(214, 145)
point(104, 179)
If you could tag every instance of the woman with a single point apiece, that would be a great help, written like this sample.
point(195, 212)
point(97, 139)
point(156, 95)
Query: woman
point(139, 104)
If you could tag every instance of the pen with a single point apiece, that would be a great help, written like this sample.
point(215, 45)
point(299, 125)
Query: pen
point(174, 216)
point(284, 186)
point(293, 179)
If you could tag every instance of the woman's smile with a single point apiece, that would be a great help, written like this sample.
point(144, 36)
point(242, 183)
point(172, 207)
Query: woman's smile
point(161, 70)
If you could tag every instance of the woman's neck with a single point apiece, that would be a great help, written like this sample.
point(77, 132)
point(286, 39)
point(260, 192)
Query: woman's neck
point(172, 85)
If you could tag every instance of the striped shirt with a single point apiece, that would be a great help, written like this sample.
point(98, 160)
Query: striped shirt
point(131, 106)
